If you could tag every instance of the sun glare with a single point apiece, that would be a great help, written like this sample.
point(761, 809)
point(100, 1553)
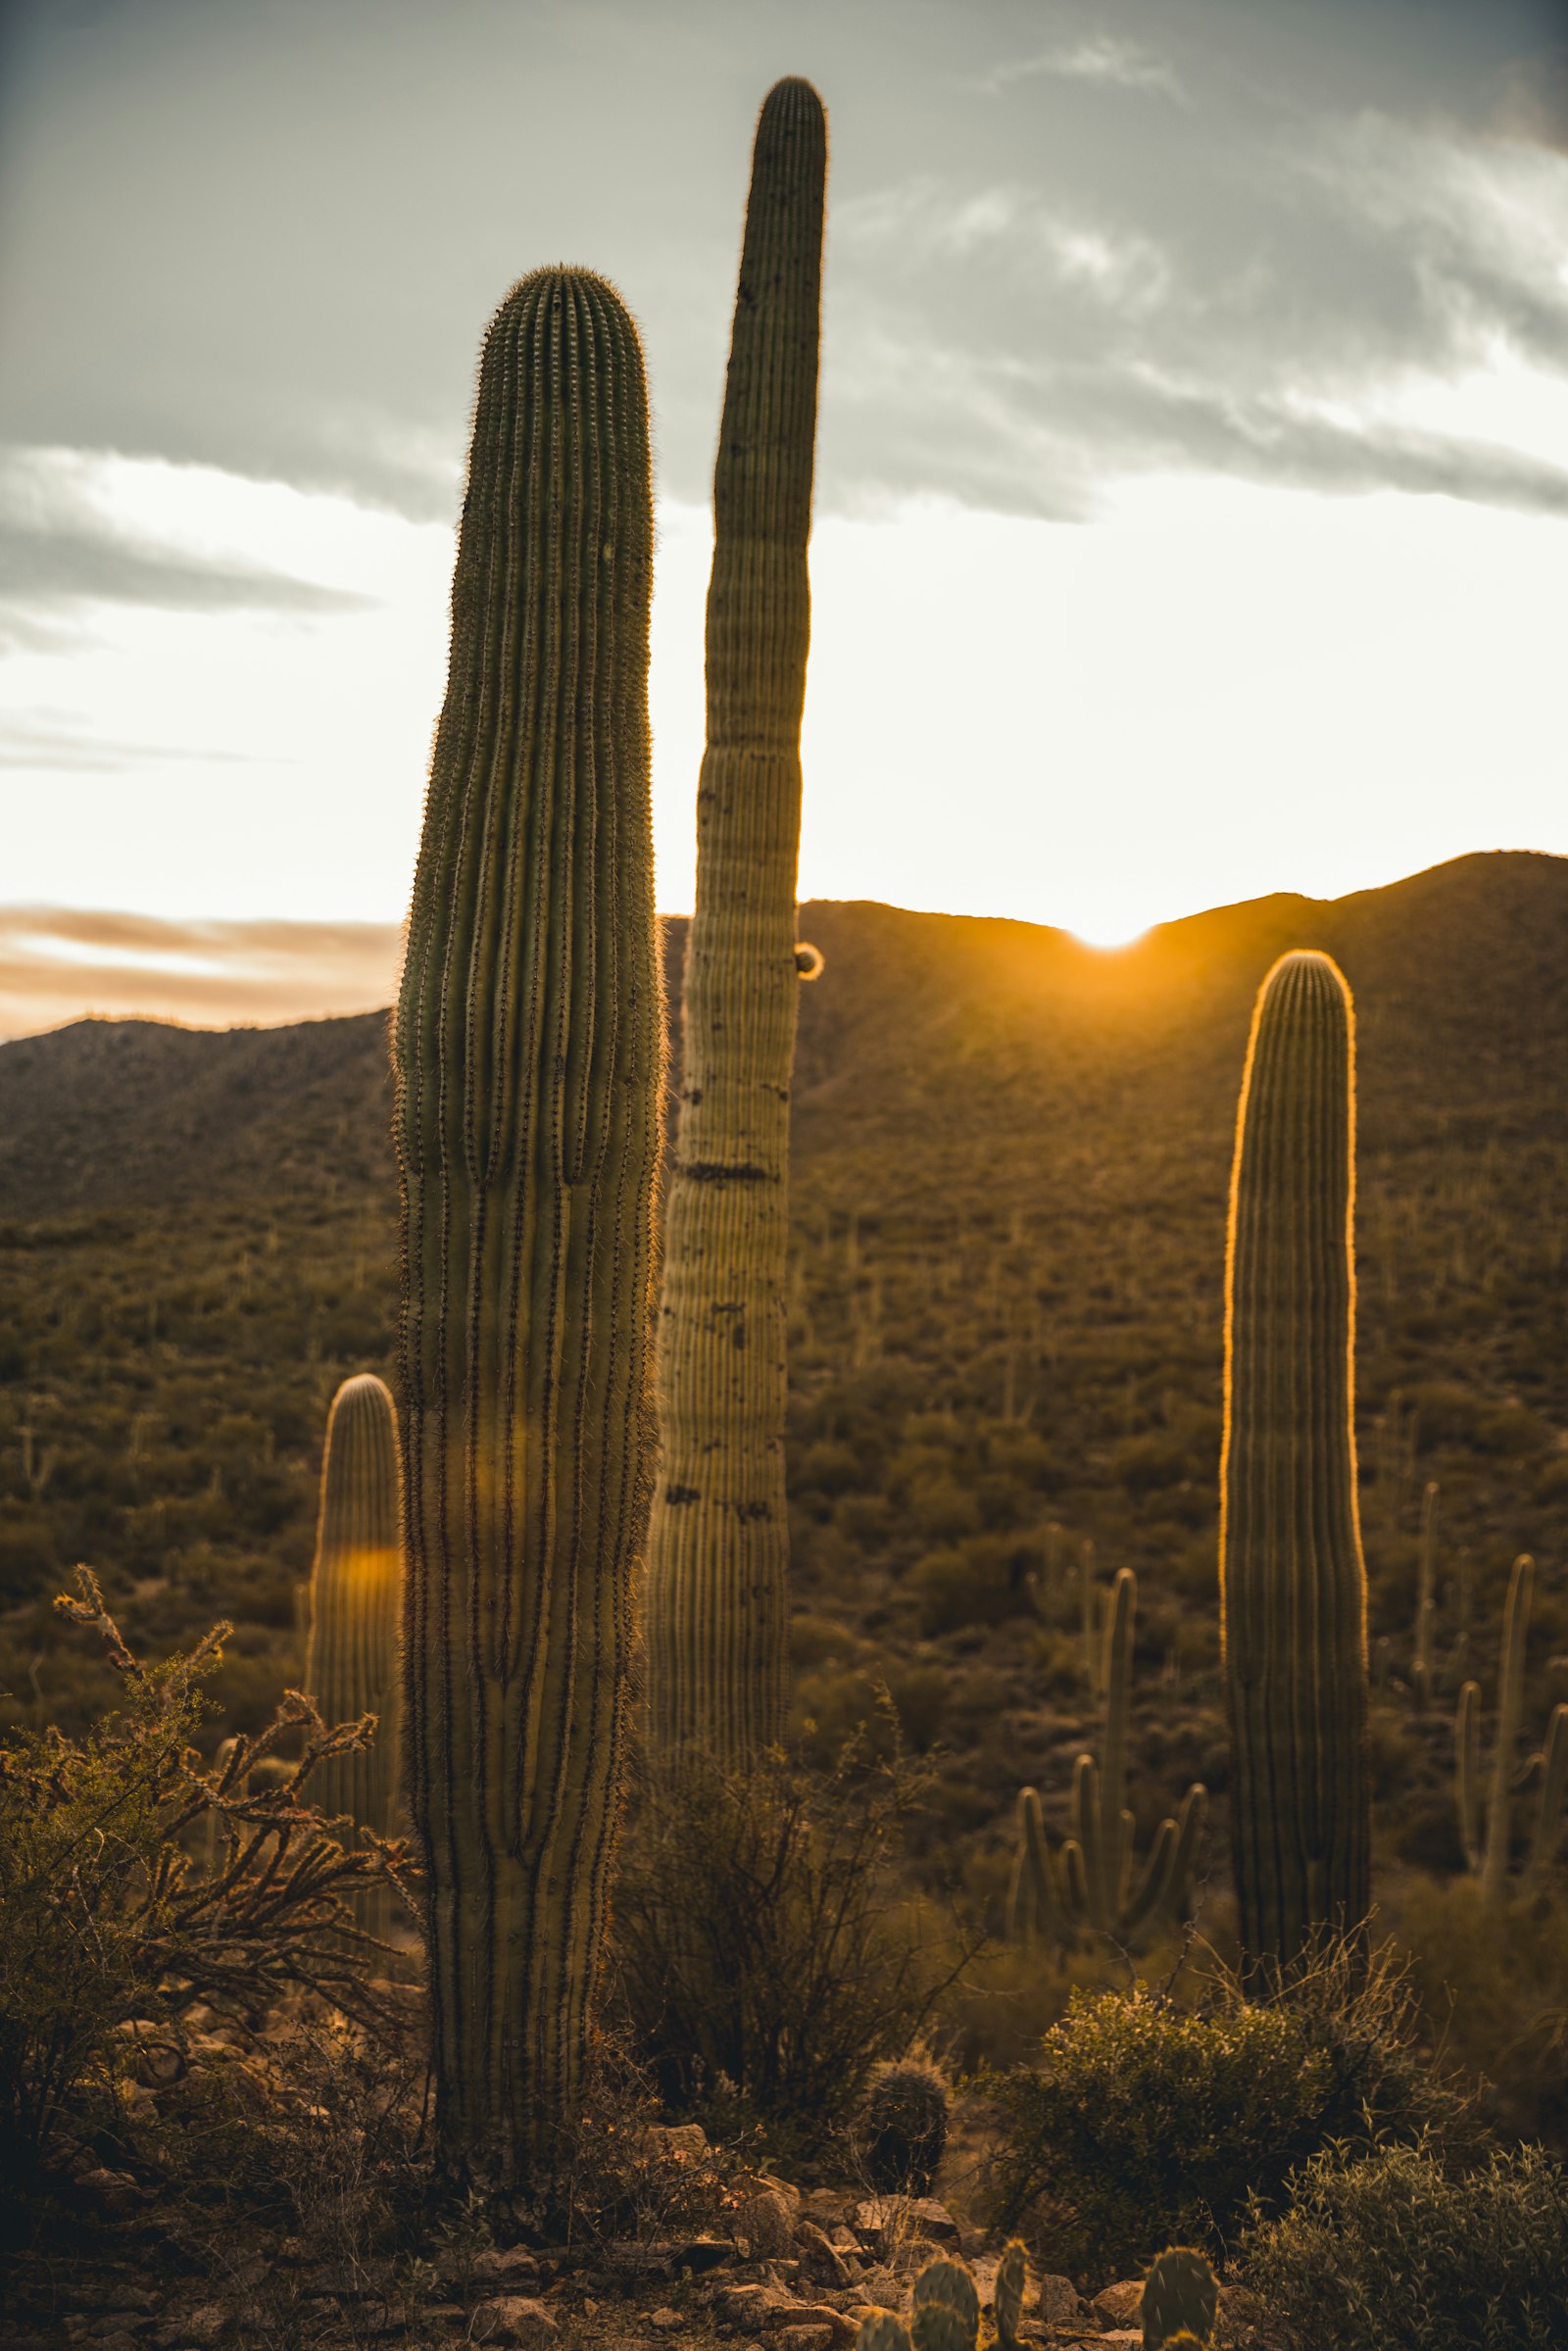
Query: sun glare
point(1107, 932)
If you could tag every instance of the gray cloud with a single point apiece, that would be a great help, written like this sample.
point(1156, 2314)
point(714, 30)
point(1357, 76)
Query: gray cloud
point(63, 564)
point(1044, 270)
point(43, 740)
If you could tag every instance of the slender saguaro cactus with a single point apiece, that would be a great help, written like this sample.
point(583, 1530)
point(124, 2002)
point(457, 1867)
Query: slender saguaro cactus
point(1292, 1586)
point(718, 1551)
point(350, 1665)
point(1426, 1602)
point(1089, 1885)
point(527, 1045)
point(1489, 1856)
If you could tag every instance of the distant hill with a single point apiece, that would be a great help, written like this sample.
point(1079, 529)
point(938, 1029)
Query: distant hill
point(1460, 974)
point(1011, 1153)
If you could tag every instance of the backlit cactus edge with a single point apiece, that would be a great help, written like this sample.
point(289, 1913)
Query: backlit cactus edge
point(527, 1042)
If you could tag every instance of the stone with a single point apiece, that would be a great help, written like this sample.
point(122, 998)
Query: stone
point(928, 2218)
point(748, 2306)
point(765, 2218)
point(203, 2325)
point(1119, 2304)
point(828, 2207)
point(823, 2256)
point(700, 2254)
point(512, 2319)
point(984, 2273)
point(804, 2339)
point(688, 2140)
point(504, 2266)
point(1057, 2300)
point(664, 2319)
point(114, 2191)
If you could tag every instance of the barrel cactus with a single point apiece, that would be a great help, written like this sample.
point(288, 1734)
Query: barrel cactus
point(905, 2126)
point(1292, 1586)
point(527, 1045)
point(718, 1548)
point(350, 1665)
point(1180, 2297)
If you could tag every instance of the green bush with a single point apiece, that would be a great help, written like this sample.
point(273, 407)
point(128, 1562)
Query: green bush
point(106, 1920)
point(767, 1952)
point(1146, 2124)
point(1396, 2249)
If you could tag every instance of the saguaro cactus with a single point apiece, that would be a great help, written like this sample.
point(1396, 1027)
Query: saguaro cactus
point(1489, 1855)
point(350, 1665)
point(1293, 1587)
point(1089, 1888)
point(718, 1551)
point(527, 1047)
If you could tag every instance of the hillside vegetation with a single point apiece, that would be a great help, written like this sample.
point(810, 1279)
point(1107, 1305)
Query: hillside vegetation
point(1010, 1160)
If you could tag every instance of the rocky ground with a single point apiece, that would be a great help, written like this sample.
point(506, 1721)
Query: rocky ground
point(780, 2270)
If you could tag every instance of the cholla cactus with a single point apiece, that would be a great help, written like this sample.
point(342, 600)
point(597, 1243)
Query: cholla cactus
point(905, 2126)
point(1180, 2297)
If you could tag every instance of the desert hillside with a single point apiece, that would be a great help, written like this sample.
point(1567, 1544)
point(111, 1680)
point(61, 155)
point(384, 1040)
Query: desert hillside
point(1011, 1158)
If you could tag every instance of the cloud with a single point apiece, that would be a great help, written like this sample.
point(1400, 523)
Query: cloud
point(47, 740)
point(62, 546)
point(1122, 65)
point(61, 964)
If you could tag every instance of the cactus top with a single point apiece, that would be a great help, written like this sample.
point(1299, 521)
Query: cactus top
point(555, 551)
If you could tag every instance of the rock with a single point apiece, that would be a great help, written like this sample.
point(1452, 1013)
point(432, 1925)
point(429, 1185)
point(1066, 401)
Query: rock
point(132, 2297)
point(1057, 2300)
point(828, 2207)
point(804, 2339)
point(199, 2327)
point(748, 2306)
point(115, 2192)
point(512, 2319)
point(1119, 2305)
point(985, 2277)
point(822, 2257)
point(765, 2218)
point(700, 2254)
point(782, 2188)
point(876, 2220)
point(883, 2289)
point(507, 2266)
point(928, 2218)
point(688, 2140)
point(115, 2338)
point(664, 2319)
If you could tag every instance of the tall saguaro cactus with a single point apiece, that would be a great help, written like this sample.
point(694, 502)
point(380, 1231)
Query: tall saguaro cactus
point(527, 1045)
point(1292, 1586)
point(356, 1597)
point(718, 1553)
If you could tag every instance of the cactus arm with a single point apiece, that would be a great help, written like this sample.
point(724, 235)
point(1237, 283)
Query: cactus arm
point(1088, 1821)
point(1510, 1708)
point(1293, 1584)
point(1467, 1773)
point(719, 1547)
point(1180, 2297)
point(1116, 1672)
point(528, 1048)
point(1152, 1893)
point(1547, 1838)
point(946, 2287)
point(882, 2330)
point(1426, 1597)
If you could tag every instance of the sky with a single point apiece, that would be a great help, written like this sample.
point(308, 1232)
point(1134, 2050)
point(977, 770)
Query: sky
point(1193, 472)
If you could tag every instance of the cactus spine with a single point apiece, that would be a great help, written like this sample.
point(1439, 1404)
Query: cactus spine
point(1489, 1856)
point(1181, 2298)
point(905, 2126)
point(527, 1045)
point(350, 1664)
point(718, 1556)
point(1090, 1886)
point(1292, 1586)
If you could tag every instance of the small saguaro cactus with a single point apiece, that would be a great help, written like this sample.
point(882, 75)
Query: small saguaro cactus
point(1009, 2293)
point(719, 1556)
point(1089, 1888)
point(1487, 1854)
point(351, 1662)
point(1181, 2298)
point(905, 2126)
point(1426, 1599)
point(1292, 1586)
point(527, 1047)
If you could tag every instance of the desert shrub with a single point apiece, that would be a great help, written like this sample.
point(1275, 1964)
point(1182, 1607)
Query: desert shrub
point(1492, 1984)
point(1396, 2250)
point(1145, 2124)
point(105, 1917)
point(767, 1953)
